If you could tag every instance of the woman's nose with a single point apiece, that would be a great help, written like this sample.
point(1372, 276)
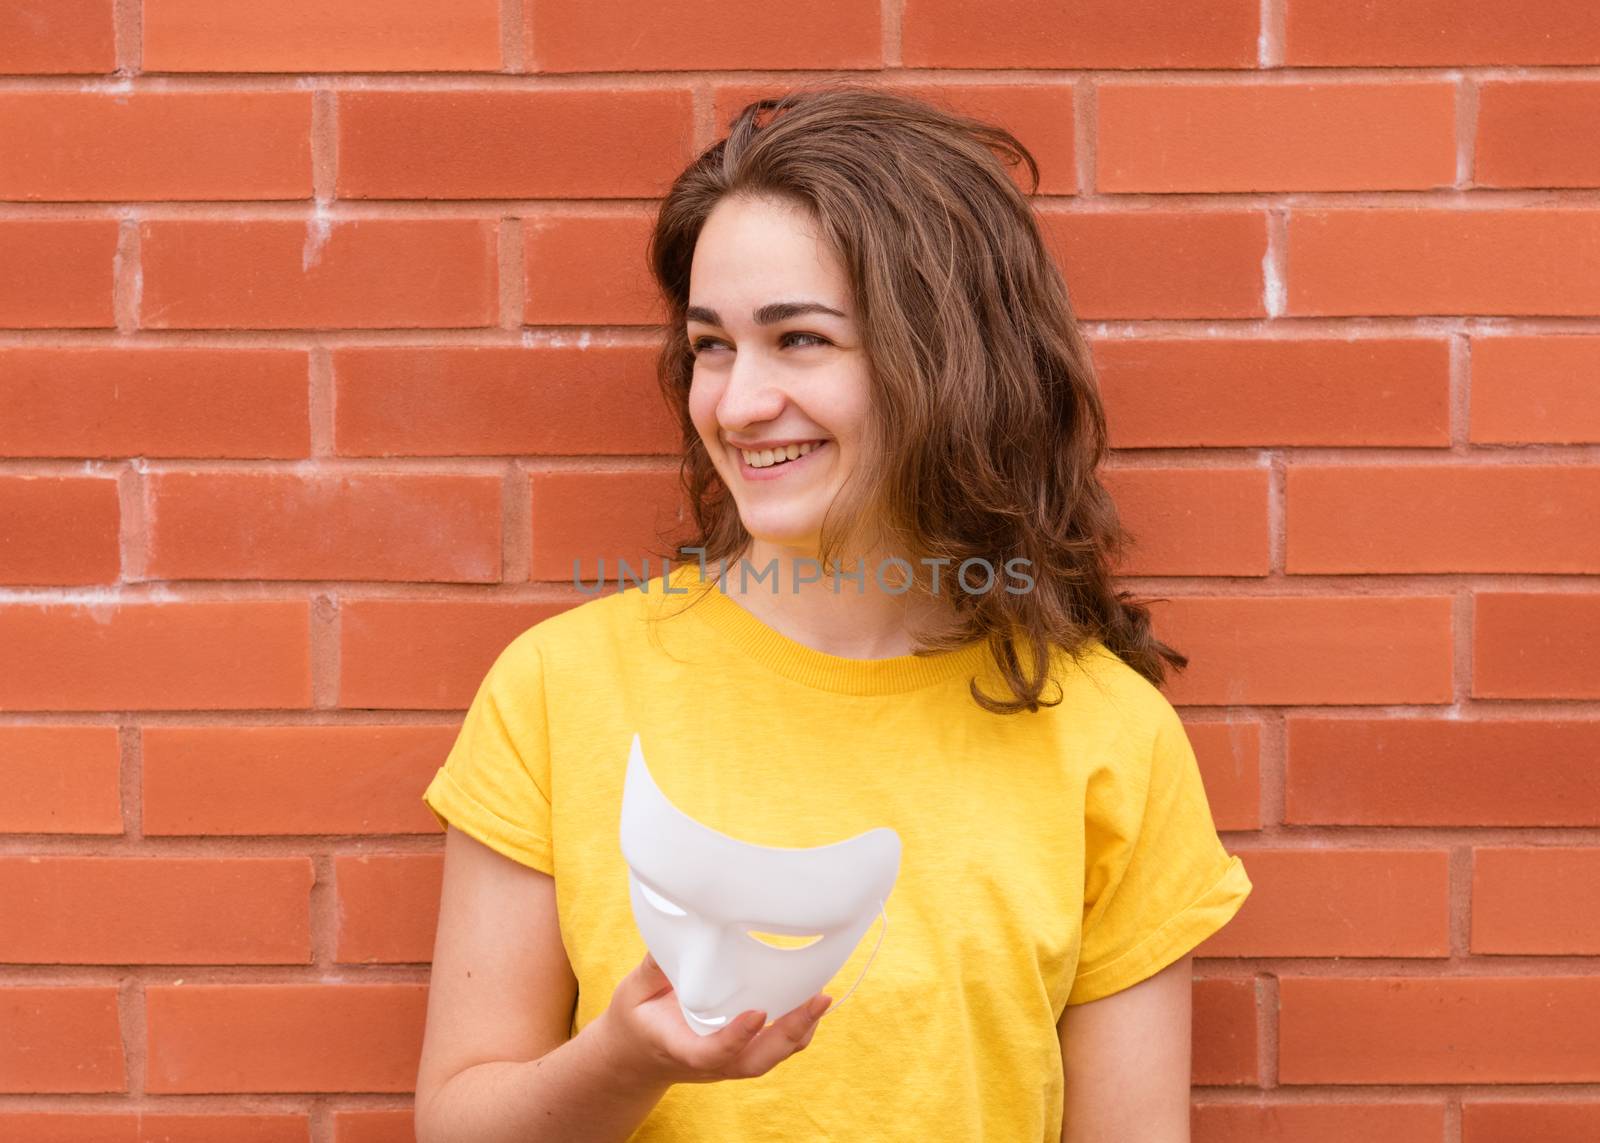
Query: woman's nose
point(749, 397)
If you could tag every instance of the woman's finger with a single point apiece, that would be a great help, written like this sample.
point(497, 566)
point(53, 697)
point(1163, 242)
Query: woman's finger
point(714, 1053)
point(790, 1033)
point(645, 982)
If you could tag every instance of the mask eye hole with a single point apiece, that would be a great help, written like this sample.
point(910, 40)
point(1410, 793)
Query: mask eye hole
point(661, 902)
point(783, 940)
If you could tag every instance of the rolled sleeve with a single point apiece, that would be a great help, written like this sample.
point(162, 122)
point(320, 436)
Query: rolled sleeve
point(1158, 880)
point(494, 784)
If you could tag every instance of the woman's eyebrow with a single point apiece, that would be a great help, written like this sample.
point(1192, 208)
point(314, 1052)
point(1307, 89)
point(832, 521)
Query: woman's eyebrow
point(767, 314)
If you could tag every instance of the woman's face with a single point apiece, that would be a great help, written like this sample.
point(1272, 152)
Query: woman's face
point(778, 362)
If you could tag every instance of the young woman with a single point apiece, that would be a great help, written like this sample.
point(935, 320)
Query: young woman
point(879, 378)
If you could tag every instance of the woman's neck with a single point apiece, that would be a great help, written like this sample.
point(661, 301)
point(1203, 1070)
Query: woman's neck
point(853, 611)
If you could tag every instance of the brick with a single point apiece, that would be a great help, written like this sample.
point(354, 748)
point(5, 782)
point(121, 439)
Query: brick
point(210, 781)
point(1229, 753)
point(307, 36)
point(388, 527)
point(69, 146)
point(283, 1037)
point(1411, 261)
point(1079, 34)
point(1439, 518)
point(155, 910)
point(498, 401)
point(1413, 1030)
point(60, 402)
point(388, 905)
point(1225, 1041)
point(1193, 521)
point(1160, 263)
point(57, 37)
point(168, 1127)
point(409, 654)
point(59, 530)
point(1535, 390)
point(61, 1039)
point(1537, 133)
point(589, 269)
point(56, 273)
point(1041, 116)
point(1320, 1121)
point(1515, 1120)
point(1543, 645)
point(60, 780)
point(622, 143)
point(1274, 392)
point(1236, 136)
point(1342, 902)
point(372, 1125)
point(710, 35)
point(195, 655)
point(278, 274)
point(1441, 772)
point(592, 519)
point(1444, 33)
point(1522, 900)
point(1329, 650)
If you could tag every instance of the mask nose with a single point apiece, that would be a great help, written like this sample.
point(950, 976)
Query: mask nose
point(705, 969)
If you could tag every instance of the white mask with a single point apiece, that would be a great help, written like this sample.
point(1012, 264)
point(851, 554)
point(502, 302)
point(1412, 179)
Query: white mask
point(698, 894)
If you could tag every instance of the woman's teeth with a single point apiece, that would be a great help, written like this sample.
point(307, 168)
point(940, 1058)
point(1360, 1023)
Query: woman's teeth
point(767, 457)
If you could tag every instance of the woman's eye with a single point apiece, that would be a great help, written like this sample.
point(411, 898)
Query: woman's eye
point(703, 343)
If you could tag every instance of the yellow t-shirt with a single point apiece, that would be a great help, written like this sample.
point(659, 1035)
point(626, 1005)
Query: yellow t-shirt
point(1048, 859)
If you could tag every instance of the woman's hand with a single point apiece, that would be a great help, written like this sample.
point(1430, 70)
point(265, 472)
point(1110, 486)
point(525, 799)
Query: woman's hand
point(647, 1036)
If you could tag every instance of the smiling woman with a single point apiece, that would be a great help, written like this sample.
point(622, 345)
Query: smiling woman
point(773, 376)
point(856, 258)
point(873, 360)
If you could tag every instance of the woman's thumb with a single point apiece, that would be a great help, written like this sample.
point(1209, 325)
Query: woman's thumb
point(653, 980)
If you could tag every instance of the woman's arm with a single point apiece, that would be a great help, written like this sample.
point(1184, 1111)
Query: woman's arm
point(572, 1094)
point(496, 1063)
point(1126, 1061)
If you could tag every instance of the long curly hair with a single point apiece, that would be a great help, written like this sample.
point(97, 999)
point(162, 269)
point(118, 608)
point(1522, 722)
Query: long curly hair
point(987, 428)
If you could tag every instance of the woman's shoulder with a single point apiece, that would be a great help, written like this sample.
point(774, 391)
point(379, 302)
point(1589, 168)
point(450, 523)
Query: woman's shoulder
point(582, 628)
point(1095, 678)
point(1092, 662)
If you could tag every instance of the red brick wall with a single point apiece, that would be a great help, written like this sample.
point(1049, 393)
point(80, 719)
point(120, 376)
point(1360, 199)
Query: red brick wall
point(316, 320)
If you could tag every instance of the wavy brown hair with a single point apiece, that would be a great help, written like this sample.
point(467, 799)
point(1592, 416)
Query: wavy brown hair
point(985, 413)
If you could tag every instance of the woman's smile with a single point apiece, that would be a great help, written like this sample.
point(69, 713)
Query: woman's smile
point(782, 468)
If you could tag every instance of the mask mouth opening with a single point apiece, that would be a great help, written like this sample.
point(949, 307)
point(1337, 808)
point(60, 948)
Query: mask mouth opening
point(784, 941)
point(712, 1021)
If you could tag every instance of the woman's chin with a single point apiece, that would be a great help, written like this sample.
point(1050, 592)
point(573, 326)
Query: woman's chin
point(782, 536)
